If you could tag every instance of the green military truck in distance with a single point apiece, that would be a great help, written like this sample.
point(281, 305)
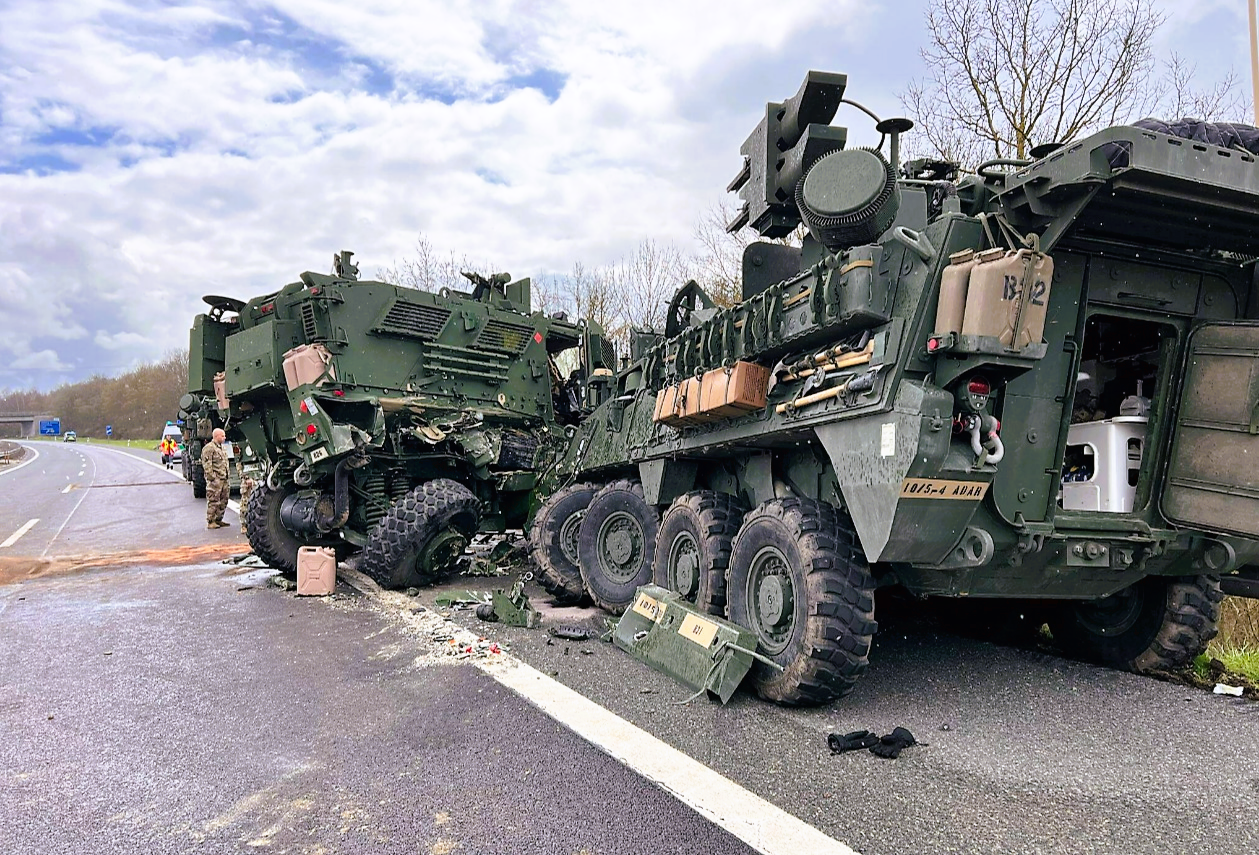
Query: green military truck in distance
point(1038, 383)
point(391, 420)
point(199, 416)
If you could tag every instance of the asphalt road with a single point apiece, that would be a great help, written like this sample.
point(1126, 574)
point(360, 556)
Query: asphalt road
point(227, 717)
point(89, 499)
point(195, 708)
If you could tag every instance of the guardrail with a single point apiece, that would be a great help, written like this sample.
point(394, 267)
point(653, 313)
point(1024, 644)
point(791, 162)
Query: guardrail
point(9, 452)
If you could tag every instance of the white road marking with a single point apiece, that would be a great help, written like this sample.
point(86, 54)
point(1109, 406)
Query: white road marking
point(13, 467)
point(763, 826)
point(66, 521)
point(13, 538)
point(68, 488)
point(81, 473)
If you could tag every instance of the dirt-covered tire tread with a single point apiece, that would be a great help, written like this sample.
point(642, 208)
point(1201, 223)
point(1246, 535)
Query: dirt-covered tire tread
point(840, 622)
point(714, 519)
point(269, 539)
point(410, 522)
point(1192, 620)
point(1179, 616)
point(556, 574)
point(198, 485)
point(626, 485)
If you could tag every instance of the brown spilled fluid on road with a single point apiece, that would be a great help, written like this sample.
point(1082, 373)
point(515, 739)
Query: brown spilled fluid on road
point(20, 569)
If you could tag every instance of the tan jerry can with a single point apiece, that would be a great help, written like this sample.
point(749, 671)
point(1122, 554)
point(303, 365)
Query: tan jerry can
point(996, 291)
point(220, 390)
point(306, 364)
point(316, 571)
point(726, 392)
point(954, 282)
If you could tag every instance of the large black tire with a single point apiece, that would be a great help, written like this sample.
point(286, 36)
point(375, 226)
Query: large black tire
point(1158, 624)
point(553, 541)
point(693, 547)
point(800, 582)
point(617, 544)
point(438, 517)
point(271, 541)
point(198, 483)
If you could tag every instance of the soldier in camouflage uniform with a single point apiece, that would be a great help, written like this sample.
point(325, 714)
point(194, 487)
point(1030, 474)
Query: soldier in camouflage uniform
point(214, 463)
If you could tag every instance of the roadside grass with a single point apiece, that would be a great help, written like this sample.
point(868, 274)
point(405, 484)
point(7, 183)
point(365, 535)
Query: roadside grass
point(1237, 645)
point(147, 444)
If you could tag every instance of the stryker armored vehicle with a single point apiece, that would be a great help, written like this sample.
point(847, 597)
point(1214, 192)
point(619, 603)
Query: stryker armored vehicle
point(390, 420)
point(1038, 382)
point(200, 416)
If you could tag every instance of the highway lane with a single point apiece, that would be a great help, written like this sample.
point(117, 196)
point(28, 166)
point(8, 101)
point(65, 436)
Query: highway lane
point(149, 708)
point(46, 490)
point(99, 499)
point(1027, 752)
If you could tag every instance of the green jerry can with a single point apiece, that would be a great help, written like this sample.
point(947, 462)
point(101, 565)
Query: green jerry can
point(699, 650)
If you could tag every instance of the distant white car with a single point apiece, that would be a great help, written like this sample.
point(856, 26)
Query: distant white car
point(70, 436)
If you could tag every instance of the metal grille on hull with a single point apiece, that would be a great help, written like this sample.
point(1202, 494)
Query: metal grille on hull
point(308, 322)
point(509, 338)
point(608, 352)
point(413, 319)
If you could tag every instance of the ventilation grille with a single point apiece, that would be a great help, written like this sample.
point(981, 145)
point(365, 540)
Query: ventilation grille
point(503, 337)
point(308, 321)
point(413, 319)
point(609, 353)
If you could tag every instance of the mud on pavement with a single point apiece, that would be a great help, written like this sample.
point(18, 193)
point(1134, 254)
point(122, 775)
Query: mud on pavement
point(21, 568)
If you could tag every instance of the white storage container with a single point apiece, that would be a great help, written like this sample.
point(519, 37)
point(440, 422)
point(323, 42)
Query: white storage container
point(1116, 447)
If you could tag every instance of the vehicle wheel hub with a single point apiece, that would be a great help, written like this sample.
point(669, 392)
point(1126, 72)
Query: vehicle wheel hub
point(771, 592)
point(684, 563)
point(568, 537)
point(442, 551)
point(1113, 615)
point(621, 543)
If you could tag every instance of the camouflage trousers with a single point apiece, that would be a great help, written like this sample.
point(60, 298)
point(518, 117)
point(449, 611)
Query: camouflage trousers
point(246, 487)
point(216, 493)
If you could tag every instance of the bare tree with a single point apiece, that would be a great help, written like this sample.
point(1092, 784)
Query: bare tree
point(647, 279)
point(1177, 96)
point(429, 270)
point(719, 265)
point(1006, 74)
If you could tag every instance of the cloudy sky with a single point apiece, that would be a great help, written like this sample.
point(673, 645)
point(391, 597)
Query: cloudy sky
point(152, 151)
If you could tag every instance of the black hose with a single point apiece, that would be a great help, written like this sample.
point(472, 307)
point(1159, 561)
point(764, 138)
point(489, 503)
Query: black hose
point(341, 500)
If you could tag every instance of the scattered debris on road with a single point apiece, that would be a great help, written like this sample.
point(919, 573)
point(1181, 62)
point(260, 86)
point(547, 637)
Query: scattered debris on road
point(889, 746)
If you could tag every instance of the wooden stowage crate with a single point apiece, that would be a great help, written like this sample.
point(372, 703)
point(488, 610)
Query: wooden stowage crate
point(720, 394)
point(726, 392)
point(678, 405)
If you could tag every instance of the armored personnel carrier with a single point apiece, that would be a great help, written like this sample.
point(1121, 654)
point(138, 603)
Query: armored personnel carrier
point(1036, 382)
point(390, 420)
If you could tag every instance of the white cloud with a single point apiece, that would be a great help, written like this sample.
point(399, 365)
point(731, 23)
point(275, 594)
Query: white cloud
point(251, 140)
point(41, 360)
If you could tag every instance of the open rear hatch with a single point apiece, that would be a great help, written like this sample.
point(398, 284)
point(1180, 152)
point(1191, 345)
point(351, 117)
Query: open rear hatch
point(1213, 472)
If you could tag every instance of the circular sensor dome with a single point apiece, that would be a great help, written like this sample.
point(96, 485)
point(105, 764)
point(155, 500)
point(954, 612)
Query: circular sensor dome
point(848, 198)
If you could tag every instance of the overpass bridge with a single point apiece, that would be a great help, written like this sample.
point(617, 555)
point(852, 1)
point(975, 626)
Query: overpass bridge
point(28, 423)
